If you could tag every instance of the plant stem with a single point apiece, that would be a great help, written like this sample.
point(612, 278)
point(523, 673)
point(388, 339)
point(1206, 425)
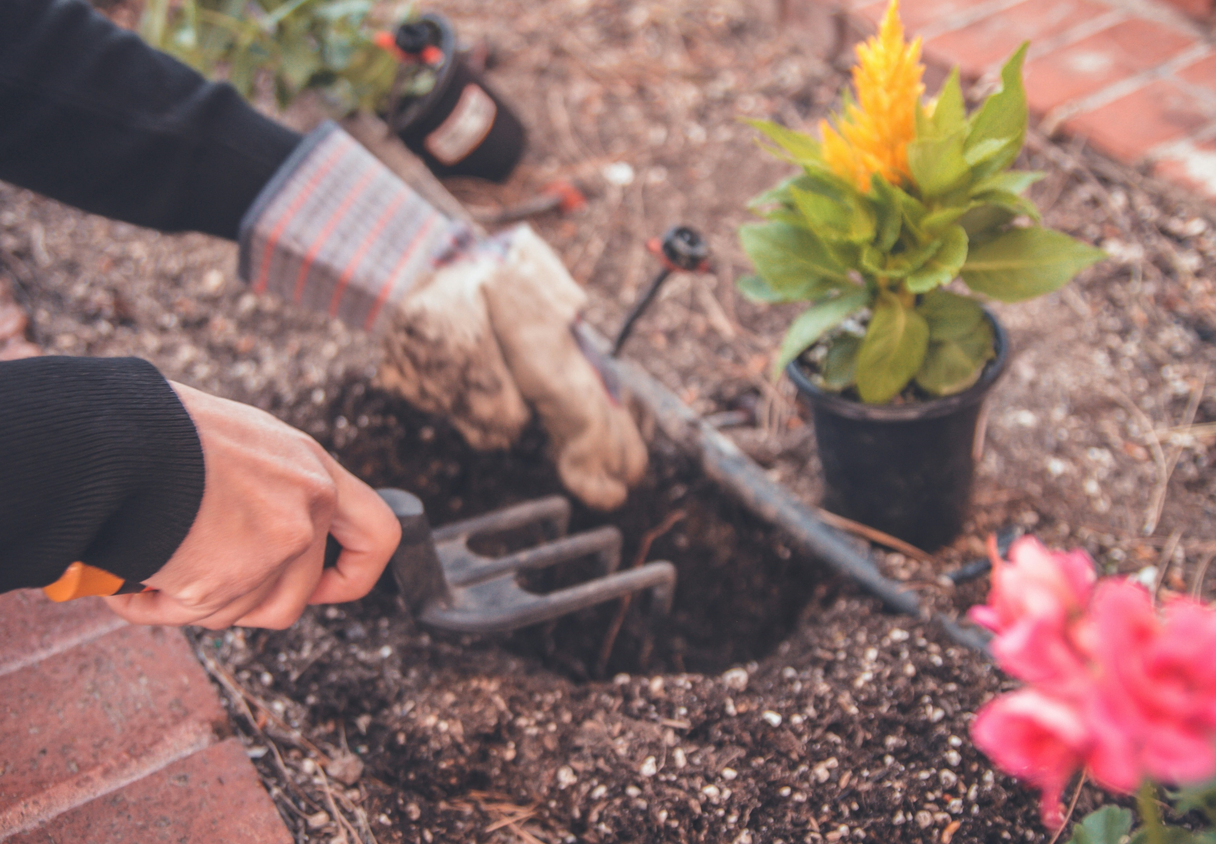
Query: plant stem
point(1146, 802)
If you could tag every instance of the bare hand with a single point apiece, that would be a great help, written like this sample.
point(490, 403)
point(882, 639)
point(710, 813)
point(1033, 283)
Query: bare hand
point(255, 554)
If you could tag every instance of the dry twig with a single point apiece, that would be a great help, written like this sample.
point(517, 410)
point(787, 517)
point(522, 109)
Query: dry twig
point(874, 535)
point(1165, 560)
point(1201, 572)
point(1154, 444)
point(1071, 806)
point(344, 825)
point(231, 684)
point(1162, 488)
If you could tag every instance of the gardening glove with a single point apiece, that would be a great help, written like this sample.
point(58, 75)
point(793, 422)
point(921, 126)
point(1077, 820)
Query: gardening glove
point(477, 329)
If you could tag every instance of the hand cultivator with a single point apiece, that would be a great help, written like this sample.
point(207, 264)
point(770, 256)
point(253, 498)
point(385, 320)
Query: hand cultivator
point(446, 584)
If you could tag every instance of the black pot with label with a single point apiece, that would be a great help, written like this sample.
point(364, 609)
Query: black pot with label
point(460, 127)
point(904, 469)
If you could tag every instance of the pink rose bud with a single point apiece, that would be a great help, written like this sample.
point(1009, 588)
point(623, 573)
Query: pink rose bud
point(1037, 600)
point(1035, 583)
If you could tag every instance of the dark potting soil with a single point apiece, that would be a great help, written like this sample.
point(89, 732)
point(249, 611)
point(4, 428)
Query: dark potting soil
point(776, 703)
point(724, 614)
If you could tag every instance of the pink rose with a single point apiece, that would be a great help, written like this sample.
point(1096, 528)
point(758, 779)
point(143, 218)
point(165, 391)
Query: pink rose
point(1154, 710)
point(1037, 738)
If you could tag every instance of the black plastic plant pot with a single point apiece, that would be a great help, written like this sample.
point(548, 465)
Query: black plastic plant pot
point(461, 127)
point(903, 469)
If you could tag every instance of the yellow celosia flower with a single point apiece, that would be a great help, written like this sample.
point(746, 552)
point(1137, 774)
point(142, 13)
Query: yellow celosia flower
point(874, 132)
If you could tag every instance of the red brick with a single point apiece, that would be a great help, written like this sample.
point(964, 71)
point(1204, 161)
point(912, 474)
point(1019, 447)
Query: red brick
point(97, 717)
point(1202, 72)
point(1192, 166)
point(211, 797)
point(1132, 125)
point(917, 14)
point(1195, 8)
point(33, 628)
point(988, 42)
point(1091, 64)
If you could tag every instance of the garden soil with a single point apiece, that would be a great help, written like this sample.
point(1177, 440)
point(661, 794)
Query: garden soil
point(778, 703)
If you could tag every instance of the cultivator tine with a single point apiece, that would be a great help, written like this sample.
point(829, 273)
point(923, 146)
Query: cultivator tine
point(451, 586)
point(502, 604)
point(464, 568)
point(553, 511)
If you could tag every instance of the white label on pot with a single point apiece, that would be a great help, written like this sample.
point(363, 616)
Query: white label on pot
point(465, 128)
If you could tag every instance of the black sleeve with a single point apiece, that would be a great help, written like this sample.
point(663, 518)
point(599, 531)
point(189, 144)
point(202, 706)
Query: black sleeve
point(99, 462)
point(92, 116)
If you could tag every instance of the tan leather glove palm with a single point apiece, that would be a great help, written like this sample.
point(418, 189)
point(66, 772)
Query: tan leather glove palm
point(491, 334)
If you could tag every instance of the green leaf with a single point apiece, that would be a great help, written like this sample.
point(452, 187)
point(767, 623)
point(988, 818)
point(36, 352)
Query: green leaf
point(987, 150)
point(300, 62)
point(242, 72)
point(1002, 117)
point(956, 356)
point(983, 223)
point(1169, 835)
point(756, 289)
point(904, 264)
point(937, 164)
point(1107, 825)
point(947, 370)
point(1013, 181)
point(936, 221)
point(1024, 263)
point(1017, 205)
point(811, 324)
point(1199, 798)
point(949, 315)
point(154, 22)
point(944, 265)
point(949, 112)
point(802, 148)
point(840, 364)
point(778, 194)
point(789, 258)
point(282, 12)
point(892, 351)
point(787, 216)
point(889, 216)
point(850, 221)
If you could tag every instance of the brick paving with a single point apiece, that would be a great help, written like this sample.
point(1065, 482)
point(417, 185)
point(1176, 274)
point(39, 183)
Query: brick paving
point(112, 733)
point(1135, 78)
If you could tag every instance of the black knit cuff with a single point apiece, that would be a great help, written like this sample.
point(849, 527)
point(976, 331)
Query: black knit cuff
point(101, 463)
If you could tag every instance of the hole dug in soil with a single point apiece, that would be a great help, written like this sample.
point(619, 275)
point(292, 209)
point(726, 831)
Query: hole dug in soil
point(776, 704)
point(740, 589)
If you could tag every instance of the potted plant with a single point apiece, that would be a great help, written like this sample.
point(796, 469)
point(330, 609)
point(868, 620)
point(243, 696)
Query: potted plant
point(894, 204)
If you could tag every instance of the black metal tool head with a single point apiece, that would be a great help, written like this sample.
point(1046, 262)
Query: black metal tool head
point(447, 584)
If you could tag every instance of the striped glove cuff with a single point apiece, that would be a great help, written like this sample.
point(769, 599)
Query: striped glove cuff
point(335, 231)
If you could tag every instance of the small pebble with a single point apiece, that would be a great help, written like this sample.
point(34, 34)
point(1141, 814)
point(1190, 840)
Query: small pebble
point(735, 678)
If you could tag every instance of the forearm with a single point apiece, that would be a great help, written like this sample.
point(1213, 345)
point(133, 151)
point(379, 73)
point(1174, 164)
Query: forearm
point(101, 463)
point(92, 116)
